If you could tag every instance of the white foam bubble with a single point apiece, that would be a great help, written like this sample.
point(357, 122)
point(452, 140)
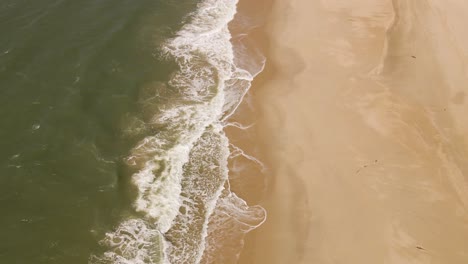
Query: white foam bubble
point(134, 242)
point(183, 168)
point(232, 219)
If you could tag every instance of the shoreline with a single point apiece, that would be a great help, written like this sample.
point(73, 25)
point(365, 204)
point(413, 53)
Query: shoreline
point(363, 134)
point(246, 173)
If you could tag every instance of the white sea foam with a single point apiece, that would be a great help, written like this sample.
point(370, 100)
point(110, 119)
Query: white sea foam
point(134, 242)
point(182, 169)
point(232, 219)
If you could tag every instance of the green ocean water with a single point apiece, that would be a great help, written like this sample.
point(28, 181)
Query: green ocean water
point(112, 143)
point(70, 75)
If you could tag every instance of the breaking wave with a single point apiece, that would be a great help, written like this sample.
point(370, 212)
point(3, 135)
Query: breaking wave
point(183, 195)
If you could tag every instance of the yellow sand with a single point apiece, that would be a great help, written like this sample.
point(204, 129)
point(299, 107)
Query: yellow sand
point(364, 125)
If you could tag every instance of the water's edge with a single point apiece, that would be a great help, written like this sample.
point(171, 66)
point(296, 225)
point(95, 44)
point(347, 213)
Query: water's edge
point(184, 198)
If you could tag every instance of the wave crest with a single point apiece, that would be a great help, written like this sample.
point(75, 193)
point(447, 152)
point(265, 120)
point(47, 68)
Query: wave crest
point(182, 169)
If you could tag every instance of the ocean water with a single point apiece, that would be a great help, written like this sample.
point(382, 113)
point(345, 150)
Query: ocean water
point(112, 135)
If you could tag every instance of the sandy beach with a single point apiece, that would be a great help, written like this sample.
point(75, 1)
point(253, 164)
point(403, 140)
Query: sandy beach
point(362, 124)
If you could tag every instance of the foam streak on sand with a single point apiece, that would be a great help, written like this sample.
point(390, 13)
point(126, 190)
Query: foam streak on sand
point(182, 169)
point(367, 104)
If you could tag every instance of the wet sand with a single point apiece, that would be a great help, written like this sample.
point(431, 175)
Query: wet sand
point(363, 126)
